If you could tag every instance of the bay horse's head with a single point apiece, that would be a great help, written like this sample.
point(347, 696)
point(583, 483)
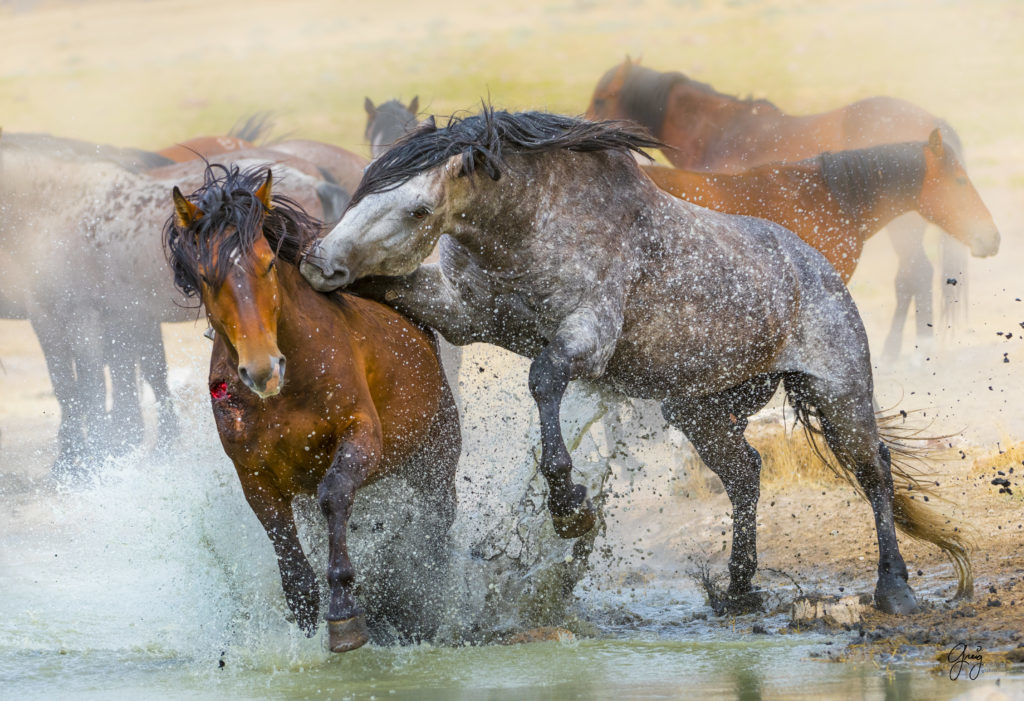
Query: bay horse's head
point(605, 103)
point(949, 200)
point(223, 243)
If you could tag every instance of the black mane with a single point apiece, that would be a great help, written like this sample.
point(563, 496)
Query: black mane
point(483, 140)
point(645, 91)
point(858, 177)
point(228, 199)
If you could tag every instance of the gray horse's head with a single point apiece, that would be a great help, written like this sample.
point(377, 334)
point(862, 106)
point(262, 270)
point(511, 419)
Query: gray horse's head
point(406, 201)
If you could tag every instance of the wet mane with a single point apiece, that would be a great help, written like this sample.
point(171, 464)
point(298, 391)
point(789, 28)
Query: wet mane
point(645, 91)
point(484, 139)
point(228, 200)
point(857, 178)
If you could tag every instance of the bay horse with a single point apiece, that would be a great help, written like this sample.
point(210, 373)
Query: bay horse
point(836, 201)
point(88, 272)
point(556, 246)
point(708, 130)
point(387, 123)
point(370, 402)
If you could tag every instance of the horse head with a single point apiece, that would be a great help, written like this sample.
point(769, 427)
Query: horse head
point(949, 199)
point(220, 253)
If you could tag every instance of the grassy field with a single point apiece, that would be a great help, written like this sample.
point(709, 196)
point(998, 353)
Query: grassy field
point(150, 73)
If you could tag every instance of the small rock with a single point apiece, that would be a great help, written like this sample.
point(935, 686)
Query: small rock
point(833, 610)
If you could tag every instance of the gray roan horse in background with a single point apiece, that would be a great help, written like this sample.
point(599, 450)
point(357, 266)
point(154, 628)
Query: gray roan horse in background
point(388, 122)
point(81, 258)
point(557, 247)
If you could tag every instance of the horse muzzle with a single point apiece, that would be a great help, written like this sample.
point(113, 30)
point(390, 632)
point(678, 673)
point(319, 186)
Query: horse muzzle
point(985, 244)
point(265, 381)
point(323, 275)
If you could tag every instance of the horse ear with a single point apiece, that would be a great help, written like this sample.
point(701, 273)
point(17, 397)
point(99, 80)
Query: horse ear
point(414, 104)
point(185, 213)
point(935, 141)
point(263, 194)
point(368, 106)
point(628, 62)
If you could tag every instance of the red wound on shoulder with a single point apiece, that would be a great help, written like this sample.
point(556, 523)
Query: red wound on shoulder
point(219, 391)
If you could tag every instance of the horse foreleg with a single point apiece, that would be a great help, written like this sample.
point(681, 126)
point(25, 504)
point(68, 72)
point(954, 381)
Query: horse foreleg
point(153, 363)
point(274, 511)
point(126, 414)
point(355, 459)
point(581, 348)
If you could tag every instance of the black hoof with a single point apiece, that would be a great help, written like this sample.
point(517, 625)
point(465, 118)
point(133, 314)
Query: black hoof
point(348, 634)
point(739, 604)
point(577, 522)
point(893, 595)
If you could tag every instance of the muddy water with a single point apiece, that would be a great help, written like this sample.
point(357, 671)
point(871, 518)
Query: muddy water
point(153, 579)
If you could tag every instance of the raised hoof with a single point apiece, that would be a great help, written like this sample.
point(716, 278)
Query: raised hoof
point(347, 634)
point(895, 597)
point(576, 523)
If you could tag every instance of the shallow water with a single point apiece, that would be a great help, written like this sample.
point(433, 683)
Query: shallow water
point(154, 579)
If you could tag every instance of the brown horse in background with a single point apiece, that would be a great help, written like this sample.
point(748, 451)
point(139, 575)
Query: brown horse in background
point(710, 131)
point(243, 135)
point(836, 201)
point(365, 395)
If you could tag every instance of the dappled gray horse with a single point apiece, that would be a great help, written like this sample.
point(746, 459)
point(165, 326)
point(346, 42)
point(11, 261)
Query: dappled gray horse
point(557, 247)
point(81, 258)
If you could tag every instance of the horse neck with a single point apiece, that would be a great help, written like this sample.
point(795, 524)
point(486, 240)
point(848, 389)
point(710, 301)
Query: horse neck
point(531, 206)
point(875, 185)
point(302, 307)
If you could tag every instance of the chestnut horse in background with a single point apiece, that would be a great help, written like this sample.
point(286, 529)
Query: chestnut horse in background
point(243, 135)
point(365, 395)
point(836, 201)
point(710, 131)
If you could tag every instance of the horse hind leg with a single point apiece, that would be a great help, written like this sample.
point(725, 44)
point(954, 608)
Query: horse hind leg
point(715, 426)
point(849, 426)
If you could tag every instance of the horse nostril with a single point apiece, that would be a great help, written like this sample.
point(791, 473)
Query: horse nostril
point(243, 374)
point(280, 365)
point(341, 276)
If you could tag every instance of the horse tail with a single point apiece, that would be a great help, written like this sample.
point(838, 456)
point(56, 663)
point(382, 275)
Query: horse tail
point(912, 487)
point(953, 256)
point(253, 127)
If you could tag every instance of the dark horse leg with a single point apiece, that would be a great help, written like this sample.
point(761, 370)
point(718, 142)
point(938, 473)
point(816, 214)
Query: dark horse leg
point(571, 511)
point(848, 423)
point(715, 426)
point(417, 598)
point(913, 282)
point(301, 590)
point(346, 620)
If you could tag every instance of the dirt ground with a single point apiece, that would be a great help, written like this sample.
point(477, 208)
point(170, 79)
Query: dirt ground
point(61, 73)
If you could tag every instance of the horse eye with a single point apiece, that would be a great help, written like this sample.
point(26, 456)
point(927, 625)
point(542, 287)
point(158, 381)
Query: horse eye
point(419, 212)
